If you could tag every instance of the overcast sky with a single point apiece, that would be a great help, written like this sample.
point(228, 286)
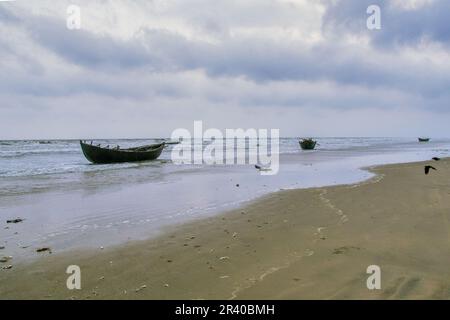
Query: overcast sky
point(144, 68)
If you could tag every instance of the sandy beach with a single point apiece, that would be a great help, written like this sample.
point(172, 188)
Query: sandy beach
point(294, 244)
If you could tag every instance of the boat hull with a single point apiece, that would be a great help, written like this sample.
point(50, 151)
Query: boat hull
point(307, 145)
point(99, 155)
point(424, 139)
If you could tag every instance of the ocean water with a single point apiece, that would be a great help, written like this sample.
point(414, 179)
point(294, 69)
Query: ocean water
point(33, 157)
point(69, 203)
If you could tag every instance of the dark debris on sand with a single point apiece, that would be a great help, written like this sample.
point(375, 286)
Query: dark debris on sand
point(18, 220)
point(45, 249)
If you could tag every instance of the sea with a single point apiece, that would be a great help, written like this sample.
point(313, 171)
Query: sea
point(68, 203)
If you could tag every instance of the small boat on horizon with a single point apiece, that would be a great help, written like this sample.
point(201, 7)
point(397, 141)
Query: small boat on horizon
point(424, 139)
point(103, 155)
point(307, 144)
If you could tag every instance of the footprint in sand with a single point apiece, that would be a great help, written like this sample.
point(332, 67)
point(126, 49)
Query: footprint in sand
point(320, 234)
point(343, 250)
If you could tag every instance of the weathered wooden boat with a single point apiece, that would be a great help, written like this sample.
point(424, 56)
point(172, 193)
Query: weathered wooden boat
point(307, 144)
point(102, 155)
point(424, 139)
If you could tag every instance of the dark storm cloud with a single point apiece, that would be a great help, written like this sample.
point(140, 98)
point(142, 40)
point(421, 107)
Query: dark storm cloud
point(84, 48)
point(117, 68)
point(7, 16)
point(400, 26)
point(430, 22)
point(158, 50)
point(155, 66)
point(81, 47)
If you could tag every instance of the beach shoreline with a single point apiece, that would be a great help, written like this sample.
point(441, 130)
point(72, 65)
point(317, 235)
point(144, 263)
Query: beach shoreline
point(294, 244)
point(96, 206)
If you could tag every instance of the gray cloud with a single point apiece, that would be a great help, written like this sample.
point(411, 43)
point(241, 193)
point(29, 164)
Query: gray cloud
point(400, 26)
point(256, 59)
point(159, 69)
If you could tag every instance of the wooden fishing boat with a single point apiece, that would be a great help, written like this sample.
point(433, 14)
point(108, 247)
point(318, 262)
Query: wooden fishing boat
point(98, 154)
point(424, 139)
point(307, 144)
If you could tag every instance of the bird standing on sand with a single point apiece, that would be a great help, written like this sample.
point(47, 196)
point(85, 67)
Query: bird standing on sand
point(261, 168)
point(427, 169)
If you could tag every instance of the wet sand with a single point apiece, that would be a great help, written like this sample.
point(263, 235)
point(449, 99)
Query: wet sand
point(296, 244)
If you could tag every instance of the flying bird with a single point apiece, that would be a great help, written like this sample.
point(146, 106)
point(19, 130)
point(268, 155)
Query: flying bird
point(427, 169)
point(436, 159)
